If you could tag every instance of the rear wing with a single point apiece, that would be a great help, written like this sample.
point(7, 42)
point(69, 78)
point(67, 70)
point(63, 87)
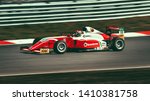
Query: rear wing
point(111, 29)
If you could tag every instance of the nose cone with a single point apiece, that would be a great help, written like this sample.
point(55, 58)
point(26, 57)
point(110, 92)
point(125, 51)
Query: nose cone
point(37, 46)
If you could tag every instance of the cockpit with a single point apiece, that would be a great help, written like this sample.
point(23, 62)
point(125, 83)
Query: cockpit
point(85, 32)
point(76, 34)
point(91, 30)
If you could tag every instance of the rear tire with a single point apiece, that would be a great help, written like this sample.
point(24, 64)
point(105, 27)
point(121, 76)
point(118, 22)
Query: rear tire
point(118, 44)
point(60, 47)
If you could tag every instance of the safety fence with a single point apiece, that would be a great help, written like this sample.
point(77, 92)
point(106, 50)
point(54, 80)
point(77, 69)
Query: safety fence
point(71, 11)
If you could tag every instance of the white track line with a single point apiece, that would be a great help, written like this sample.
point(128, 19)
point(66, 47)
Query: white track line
point(84, 70)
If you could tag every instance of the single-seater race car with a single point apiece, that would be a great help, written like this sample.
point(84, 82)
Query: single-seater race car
point(86, 39)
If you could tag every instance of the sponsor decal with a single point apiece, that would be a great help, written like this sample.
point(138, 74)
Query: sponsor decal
point(86, 36)
point(44, 50)
point(90, 44)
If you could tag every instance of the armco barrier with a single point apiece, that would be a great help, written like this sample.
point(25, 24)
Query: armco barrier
point(69, 11)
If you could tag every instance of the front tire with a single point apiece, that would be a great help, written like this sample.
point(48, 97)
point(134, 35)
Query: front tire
point(118, 44)
point(60, 47)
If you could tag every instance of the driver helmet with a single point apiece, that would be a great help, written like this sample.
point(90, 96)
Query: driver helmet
point(78, 33)
point(88, 29)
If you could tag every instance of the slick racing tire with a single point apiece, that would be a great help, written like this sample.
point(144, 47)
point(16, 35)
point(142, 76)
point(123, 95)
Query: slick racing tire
point(118, 44)
point(36, 40)
point(60, 47)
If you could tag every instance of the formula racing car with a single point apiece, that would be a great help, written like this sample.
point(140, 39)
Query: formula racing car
point(85, 39)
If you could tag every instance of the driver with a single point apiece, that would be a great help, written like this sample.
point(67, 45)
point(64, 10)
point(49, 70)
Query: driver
point(78, 33)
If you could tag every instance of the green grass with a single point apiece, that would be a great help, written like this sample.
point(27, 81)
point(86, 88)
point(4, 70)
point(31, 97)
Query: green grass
point(132, 76)
point(32, 31)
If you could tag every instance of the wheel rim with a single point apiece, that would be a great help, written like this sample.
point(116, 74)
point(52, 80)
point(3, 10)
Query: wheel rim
point(61, 47)
point(119, 44)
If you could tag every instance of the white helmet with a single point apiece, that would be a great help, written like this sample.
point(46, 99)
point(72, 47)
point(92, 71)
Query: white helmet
point(88, 29)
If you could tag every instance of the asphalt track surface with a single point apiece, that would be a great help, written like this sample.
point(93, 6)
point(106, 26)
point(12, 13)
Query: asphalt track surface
point(135, 55)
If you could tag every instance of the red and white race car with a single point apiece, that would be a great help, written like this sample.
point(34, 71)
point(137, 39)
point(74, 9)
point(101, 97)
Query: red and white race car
point(86, 39)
